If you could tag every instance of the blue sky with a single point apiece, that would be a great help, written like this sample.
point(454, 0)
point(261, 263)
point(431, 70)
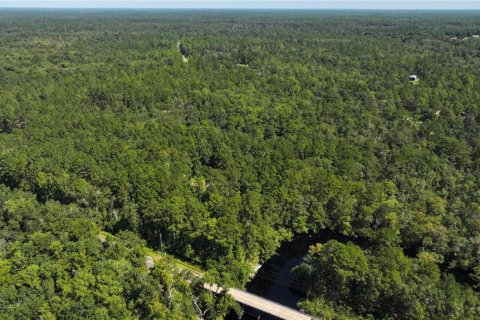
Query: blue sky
point(302, 4)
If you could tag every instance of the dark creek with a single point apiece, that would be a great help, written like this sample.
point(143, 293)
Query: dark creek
point(274, 280)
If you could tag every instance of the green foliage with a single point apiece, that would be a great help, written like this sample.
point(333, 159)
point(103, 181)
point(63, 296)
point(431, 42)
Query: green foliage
point(328, 311)
point(59, 269)
point(336, 265)
point(381, 283)
point(280, 123)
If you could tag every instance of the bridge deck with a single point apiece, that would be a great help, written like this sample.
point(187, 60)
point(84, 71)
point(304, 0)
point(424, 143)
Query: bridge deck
point(261, 304)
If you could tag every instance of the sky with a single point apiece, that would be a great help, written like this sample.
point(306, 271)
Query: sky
point(277, 4)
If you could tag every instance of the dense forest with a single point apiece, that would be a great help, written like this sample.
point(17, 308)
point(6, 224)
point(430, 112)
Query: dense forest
point(272, 124)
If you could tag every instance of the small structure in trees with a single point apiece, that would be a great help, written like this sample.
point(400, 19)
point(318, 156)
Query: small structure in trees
point(413, 77)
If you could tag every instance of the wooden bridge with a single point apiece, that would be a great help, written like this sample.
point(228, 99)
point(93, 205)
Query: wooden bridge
point(250, 299)
point(261, 304)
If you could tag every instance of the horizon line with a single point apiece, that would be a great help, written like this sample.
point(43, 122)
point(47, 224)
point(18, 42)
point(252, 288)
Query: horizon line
point(233, 8)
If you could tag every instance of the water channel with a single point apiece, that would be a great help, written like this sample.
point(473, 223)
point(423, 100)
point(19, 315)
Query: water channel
point(274, 282)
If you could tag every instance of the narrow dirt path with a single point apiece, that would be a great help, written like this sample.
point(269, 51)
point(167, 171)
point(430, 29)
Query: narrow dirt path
point(184, 59)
